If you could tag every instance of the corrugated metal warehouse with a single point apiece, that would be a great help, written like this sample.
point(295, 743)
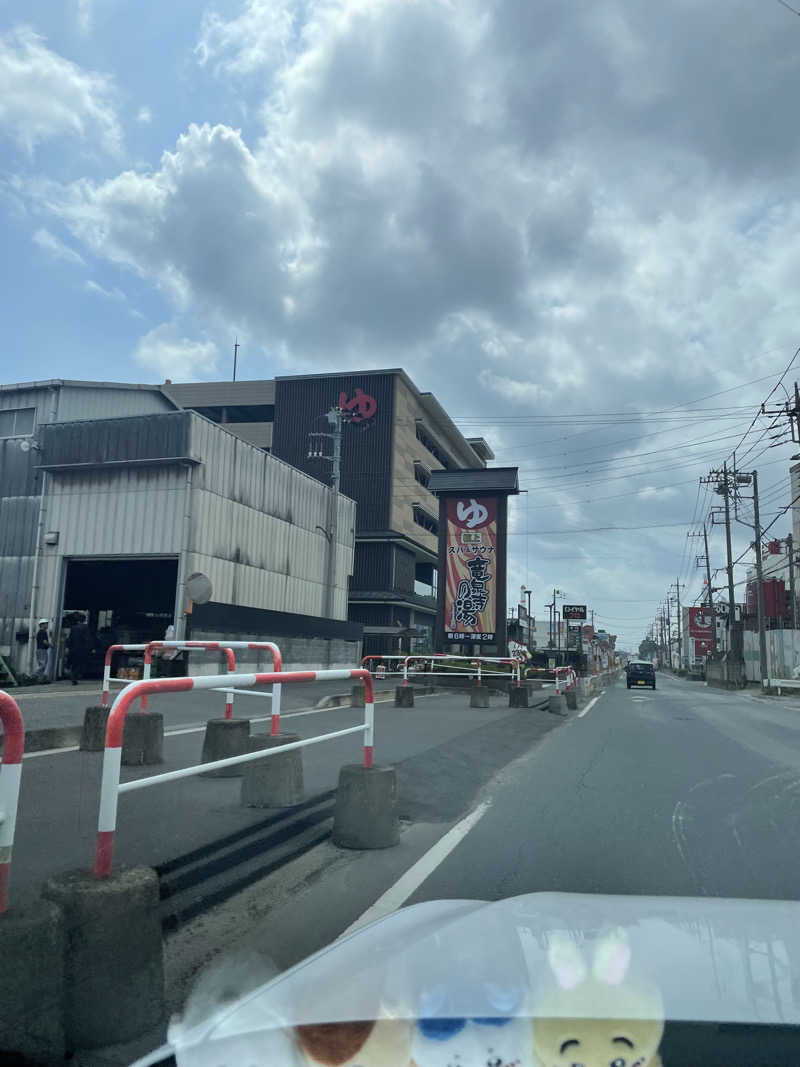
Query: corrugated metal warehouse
point(124, 509)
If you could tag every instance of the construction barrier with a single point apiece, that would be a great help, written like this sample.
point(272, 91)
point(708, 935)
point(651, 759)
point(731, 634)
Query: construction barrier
point(148, 662)
point(188, 646)
point(232, 647)
point(443, 659)
point(10, 778)
point(111, 787)
point(565, 678)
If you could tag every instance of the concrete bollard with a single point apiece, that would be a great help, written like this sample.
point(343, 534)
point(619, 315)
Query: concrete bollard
point(357, 696)
point(365, 816)
point(556, 704)
point(404, 696)
point(479, 697)
point(93, 734)
point(224, 738)
point(143, 739)
point(274, 782)
point(32, 984)
point(113, 960)
point(572, 700)
point(518, 697)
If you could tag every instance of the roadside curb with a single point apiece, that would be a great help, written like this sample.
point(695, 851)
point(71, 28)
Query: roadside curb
point(47, 737)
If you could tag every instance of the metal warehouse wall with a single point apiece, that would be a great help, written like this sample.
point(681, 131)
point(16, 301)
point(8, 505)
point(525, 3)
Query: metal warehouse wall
point(257, 528)
point(91, 402)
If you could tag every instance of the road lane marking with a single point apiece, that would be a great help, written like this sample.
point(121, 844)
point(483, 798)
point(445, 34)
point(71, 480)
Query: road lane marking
point(398, 894)
point(589, 706)
point(51, 752)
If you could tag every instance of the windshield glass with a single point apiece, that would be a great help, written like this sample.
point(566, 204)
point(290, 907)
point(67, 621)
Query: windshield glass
point(399, 478)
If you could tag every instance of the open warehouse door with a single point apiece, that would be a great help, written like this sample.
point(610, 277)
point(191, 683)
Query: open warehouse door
point(123, 601)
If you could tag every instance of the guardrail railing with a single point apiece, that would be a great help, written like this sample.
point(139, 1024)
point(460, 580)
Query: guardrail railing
point(10, 779)
point(111, 787)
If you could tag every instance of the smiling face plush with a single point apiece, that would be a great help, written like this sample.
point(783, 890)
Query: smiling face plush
point(598, 1019)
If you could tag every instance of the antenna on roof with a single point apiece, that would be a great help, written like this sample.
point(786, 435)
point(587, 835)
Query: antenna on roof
point(235, 356)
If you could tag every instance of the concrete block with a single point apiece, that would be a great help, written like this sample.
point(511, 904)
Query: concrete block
point(479, 697)
point(357, 696)
point(557, 705)
point(143, 739)
point(113, 959)
point(93, 735)
point(32, 983)
point(274, 782)
point(365, 816)
point(519, 697)
point(225, 738)
point(404, 696)
point(572, 699)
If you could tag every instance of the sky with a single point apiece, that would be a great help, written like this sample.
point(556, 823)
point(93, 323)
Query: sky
point(576, 224)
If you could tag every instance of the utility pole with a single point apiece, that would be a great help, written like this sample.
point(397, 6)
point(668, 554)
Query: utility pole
point(710, 595)
point(317, 451)
point(721, 479)
point(680, 642)
point(669, 636)
point(790, 551)
point(762, 633)
point(236, 347)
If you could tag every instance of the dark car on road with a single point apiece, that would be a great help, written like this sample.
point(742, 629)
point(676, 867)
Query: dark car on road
point(640, 672)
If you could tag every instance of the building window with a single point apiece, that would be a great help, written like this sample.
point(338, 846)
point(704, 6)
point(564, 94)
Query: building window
point(421, 474)
point(424, 519)
point(17, 422)
point(425, 439)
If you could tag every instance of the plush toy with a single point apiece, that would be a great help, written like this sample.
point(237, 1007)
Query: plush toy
point(605, 1018)
point(381, 1043)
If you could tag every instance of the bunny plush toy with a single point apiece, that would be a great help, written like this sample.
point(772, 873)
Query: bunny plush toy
point(600, 1017)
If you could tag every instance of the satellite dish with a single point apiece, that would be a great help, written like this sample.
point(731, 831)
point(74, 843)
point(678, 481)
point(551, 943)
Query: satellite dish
point(199, 588)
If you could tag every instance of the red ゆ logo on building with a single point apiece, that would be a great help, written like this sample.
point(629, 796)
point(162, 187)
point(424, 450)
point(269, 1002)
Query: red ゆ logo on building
point(360, 407)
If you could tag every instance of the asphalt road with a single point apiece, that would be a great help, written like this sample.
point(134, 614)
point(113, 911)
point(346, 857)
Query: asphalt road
point(687, 790)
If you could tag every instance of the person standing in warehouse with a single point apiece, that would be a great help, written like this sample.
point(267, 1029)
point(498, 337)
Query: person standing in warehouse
point(79, 645)
point(42, 649)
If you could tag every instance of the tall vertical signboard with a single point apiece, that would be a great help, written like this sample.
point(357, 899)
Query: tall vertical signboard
point(471, 560)
point(473, 507)
point(701, 621)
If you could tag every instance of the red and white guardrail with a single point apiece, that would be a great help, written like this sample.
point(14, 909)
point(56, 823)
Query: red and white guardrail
point(111, 787)
point(148, 664)
point(477, 662)
point(10, 777)
point(226, 647)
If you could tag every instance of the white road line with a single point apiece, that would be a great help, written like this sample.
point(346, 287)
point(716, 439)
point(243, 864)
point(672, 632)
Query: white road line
point(398, 894)
point(590, 705)
point(50, 752)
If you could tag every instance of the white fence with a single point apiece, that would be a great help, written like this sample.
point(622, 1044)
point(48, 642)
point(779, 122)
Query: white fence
point(783, 654)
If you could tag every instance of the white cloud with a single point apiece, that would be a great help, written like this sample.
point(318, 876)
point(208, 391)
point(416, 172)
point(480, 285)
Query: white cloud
point(43, 95)
point(178, 358)
point(56, 247)
point(108, 294)
point(258, 38)
point(144, 115)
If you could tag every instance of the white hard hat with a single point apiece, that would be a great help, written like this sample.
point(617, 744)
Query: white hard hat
point(43, 622)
